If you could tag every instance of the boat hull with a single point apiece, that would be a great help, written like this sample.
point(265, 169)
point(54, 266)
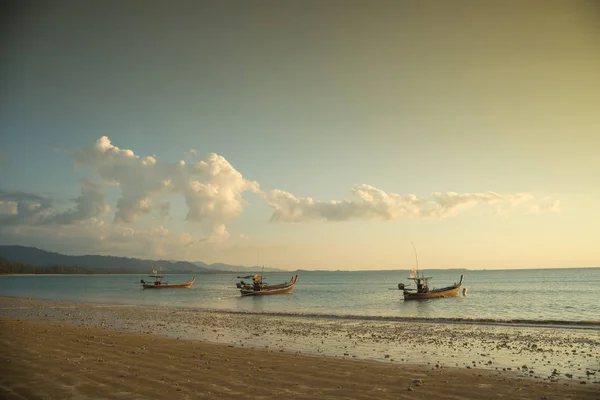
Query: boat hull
point(450, 291)
point(434, 294)
point(186, 285)
point(284, 288)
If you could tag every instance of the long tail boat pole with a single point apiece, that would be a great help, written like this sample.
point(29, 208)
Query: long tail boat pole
point(416, 257)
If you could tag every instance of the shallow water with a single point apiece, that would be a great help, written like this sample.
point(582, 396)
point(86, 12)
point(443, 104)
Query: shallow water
point(558, 296)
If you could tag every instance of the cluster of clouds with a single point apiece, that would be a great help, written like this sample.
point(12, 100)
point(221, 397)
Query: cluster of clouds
point(213, 193)
point(212, 187)
point(370, 203)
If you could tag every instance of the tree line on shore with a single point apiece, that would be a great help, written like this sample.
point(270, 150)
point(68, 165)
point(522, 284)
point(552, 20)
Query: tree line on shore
point(15, 267)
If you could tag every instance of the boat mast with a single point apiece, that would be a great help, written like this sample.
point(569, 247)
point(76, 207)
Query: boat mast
point(262, 271)
point(416, 257)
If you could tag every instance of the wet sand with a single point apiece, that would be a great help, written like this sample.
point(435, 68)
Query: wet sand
point(72, 350)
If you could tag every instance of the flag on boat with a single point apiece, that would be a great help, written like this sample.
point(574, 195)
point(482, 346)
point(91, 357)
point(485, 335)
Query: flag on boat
point(153, 272)
point(413, 273)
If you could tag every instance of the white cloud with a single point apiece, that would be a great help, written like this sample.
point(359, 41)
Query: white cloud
point(450, 204)
point(372, 203)
point(212, 188)
point(137, 177)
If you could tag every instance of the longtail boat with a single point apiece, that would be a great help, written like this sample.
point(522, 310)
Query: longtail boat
point(423, 291)
point(258, 288)
point(159, 284)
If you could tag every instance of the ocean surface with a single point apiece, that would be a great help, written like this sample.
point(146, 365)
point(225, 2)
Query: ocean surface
point(556, 296)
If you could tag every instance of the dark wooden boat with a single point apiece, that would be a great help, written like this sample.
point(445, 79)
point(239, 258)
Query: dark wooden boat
point(257, 288)
point(424, 292)
point(422, 282)
point(159, 284)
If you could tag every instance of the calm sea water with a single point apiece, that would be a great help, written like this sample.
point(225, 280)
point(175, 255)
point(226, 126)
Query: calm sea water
point(532, 296)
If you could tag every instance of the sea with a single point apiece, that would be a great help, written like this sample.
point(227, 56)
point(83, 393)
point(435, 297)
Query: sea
point(530, 296)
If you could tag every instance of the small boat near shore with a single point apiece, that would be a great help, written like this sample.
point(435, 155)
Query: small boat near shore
point(422, 290)
point(258, 288)
point(159, 284)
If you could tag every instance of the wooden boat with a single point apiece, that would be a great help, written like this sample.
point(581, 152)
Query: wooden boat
point(423, 292)
point(159, 284)
point(257, 288)
point(422, 282)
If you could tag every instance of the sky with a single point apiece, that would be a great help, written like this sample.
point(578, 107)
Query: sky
point(304, 134)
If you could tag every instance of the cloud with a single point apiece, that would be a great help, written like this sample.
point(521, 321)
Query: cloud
point(90, 204)
point(450, 204)
point(219, 235)
point(191, 153)
point(164, 209)
point(19, 208)
point(21, 197)
point(8, 207)
point(136, 176)
point(552, 207)
point(212, 191)
point(371, 203)
point(212, 187)
point(23, 208)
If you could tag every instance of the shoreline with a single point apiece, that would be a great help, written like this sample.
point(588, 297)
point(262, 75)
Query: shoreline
point(516, 323)
point(550, 355)
point(525, 323)
point(55, 360)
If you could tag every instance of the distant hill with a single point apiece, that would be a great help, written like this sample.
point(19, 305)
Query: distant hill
point(32, 256)
point(41, 258)
point(234, 268)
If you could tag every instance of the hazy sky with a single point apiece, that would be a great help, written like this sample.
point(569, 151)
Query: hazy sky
point(318, 134)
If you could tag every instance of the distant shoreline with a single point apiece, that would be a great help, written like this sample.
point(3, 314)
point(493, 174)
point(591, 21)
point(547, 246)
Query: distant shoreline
point(131, 274)
point(286, 271)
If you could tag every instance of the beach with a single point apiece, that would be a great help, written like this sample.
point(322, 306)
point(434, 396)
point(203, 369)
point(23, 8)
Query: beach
point(55, 349)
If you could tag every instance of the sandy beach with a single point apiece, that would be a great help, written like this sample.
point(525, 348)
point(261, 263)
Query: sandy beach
point(58, 350)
